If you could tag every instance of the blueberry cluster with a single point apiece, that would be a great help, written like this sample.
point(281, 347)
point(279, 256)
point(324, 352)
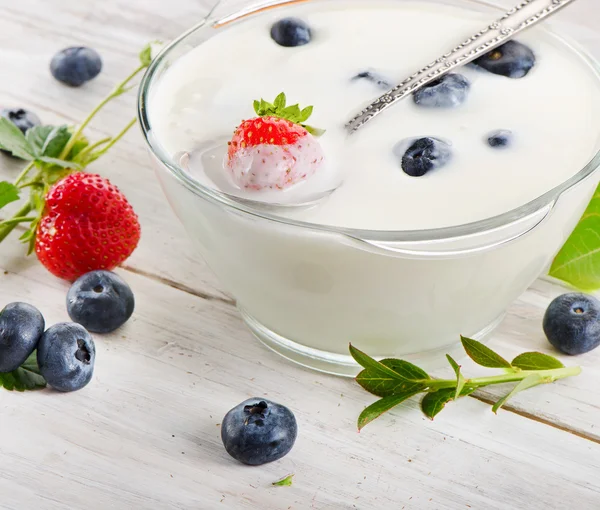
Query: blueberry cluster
point(99, 301)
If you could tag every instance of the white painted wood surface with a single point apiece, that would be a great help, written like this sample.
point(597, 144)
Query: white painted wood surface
point(145, 433)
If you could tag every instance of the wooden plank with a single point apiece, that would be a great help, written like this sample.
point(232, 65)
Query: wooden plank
point(145, 433)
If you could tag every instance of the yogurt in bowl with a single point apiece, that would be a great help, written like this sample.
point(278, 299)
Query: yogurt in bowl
point(444, 209)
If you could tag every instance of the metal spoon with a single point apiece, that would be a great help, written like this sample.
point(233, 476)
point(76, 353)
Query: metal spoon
point(517, 19)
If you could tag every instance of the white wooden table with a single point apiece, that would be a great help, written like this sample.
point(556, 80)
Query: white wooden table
point(145, 433)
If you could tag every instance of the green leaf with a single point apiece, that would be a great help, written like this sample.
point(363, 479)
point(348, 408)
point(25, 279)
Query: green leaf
point(390, 368)
point(256, 106)
point(376, 409)
point(316, 132)
point(578, 261)
point(384, 386)
point(27, 377)
point(536, 361)
point(146, 55)
point(12, 140)
point(55, 141)
point(435, 401)
point(284, 482)
point(483, 355)
point(280, 101)
point(36, 136)
point(81, 143)
point(460, 380)
point(529, 382)
point(59, 162)
point(305, 114)
point(8, 193)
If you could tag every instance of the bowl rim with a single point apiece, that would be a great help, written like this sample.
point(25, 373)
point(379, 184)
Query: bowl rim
point(418, 235)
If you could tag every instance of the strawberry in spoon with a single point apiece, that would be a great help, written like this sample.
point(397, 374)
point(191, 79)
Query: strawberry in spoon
point(276, 149)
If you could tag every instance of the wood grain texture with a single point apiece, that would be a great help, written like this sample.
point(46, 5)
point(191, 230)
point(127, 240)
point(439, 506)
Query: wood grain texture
point(145, 433)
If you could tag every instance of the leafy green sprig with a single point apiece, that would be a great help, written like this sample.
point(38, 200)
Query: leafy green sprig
point(396, 380)
point(52, 152)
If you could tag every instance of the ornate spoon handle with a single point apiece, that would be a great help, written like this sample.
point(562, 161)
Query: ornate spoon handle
point(517, 19)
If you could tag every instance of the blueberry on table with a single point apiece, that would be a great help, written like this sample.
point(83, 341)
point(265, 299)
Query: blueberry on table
point(21, 118)
point(373, 77)
point(21, 327)
point(101, 301)
point(258, 431)
point(512, 59)
point(572, 323)
point(424, 155)
point(447, 92)
point(75, 66)
point(291, 32)
point(66, 355)
point(499, 139)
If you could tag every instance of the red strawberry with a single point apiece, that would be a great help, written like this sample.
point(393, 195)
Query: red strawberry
point(87, 224)
point(274, 150)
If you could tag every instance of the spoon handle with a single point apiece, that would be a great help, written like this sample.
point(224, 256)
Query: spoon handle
point(517, 19)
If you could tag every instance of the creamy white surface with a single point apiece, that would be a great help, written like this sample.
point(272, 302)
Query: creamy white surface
point(553, 112)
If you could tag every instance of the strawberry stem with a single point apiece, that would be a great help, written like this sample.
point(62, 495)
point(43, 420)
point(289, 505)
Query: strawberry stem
point(121, 88)
point(7, 227)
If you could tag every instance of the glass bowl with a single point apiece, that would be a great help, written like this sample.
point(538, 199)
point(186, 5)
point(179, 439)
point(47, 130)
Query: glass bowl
point(308, 290)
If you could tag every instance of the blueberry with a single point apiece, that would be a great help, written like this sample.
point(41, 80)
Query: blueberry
point(291, 32)
point(424, 155)
point(258, 431)
point(449, 91)
point(21, 118)
point(374, 77)
point(572, 323)
point(499, 139)
point(75, 66)
point(512, 59)
point(100, 301)
point(66, 356)
point(21, 326)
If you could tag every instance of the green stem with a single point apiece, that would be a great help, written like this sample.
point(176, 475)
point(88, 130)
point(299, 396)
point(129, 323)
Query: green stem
point(35, 180)
point(120, 135)
point(24, 173)
point(7, 229)
point(479, 382)
point(118, 90)
point(17, 219)
point(90, 148)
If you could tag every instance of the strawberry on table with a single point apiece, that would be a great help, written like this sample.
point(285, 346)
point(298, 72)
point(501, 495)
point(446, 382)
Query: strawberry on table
point(87, 224)
point(276, 149)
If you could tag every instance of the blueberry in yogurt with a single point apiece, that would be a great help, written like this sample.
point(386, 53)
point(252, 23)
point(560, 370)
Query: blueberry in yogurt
point(572, 323)
point(512, 59)
point(374, 77)
point(499, 139)
point(291, 32)
point(447, 92)
point(424, 155)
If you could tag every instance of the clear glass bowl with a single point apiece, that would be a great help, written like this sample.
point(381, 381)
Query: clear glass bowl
point(307, 290)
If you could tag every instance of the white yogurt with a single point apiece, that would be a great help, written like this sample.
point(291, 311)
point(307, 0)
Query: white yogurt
point(307, 292)
point(552, 112)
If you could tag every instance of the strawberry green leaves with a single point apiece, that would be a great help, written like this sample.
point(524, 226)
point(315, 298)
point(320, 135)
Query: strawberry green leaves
point(396, 380)
point(26, 377)
point(8, 193)
point(292, 113)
